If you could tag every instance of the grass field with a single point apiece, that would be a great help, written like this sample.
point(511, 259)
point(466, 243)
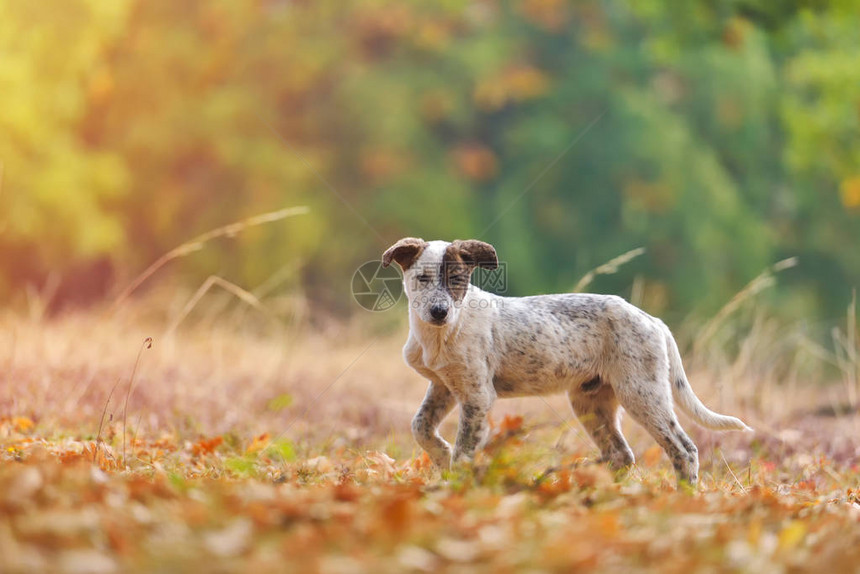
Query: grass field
point(237, 444)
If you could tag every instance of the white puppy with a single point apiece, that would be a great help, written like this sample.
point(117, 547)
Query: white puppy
point(475, 346)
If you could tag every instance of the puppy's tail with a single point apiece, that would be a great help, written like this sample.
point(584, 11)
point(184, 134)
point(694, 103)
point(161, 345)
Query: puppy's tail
point(687, 399)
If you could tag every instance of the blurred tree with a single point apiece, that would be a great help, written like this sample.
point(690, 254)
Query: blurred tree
point(56, 189)
point(720, 136)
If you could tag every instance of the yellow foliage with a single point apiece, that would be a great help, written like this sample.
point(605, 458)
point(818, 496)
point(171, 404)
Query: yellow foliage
point(514, 84)
point(850, 192)
point(552, 15)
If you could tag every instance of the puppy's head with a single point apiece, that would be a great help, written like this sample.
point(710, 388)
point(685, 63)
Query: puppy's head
point(436, 274)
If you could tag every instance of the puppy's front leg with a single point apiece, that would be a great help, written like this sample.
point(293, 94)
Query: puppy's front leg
point(474, 428)
point(438, 402)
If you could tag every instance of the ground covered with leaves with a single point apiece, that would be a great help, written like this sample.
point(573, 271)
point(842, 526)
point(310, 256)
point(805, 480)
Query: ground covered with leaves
point(68, 506)
point(108, 466)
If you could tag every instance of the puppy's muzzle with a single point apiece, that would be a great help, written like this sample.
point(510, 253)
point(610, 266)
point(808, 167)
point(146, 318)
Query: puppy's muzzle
point(439, 312)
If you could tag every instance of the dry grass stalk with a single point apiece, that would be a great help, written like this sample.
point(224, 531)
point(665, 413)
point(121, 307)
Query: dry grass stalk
point(845, 356)
point(846, 353)
point(731, 472)
point(608, 268)
point(147, 344)
point(210, 282)
point(102, 422)
point(198, 242)
point(763, 281)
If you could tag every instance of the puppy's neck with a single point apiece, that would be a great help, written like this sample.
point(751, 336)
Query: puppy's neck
point(424, 330)
point(434, 341)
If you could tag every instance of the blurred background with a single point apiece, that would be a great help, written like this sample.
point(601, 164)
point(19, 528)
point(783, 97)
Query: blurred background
point(721, 136)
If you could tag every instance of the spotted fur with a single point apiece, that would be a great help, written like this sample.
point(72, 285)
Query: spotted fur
point(475, 346)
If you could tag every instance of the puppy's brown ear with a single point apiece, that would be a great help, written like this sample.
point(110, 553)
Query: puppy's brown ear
point(405, 252)
point(477, 253)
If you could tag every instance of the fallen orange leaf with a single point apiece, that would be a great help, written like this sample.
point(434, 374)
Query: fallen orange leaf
point(22, 424)
point(651, 457)
point(207, 446)
point(259, 443)
point(511, 424)
point(422, 462)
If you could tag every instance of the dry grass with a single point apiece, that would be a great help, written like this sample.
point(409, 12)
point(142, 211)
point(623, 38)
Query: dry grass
point(199, 242)
point(315, 420)
point(237, 372)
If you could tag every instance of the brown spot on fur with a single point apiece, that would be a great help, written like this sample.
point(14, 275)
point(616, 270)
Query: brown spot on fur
point(405, 252)
point(460, 259)
point(476, 253)
point(591, 385)
point(503, 386)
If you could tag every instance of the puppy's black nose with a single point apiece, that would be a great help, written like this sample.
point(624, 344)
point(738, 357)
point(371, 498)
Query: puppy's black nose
point(439, 312)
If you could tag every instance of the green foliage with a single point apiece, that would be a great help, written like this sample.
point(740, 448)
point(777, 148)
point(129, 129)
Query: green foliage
point(241, 466)
point(280, 402)
point(720, 136)
point(282, 450)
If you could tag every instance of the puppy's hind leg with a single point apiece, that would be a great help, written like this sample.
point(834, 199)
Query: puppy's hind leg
point(596, 407)
point(649, 402)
